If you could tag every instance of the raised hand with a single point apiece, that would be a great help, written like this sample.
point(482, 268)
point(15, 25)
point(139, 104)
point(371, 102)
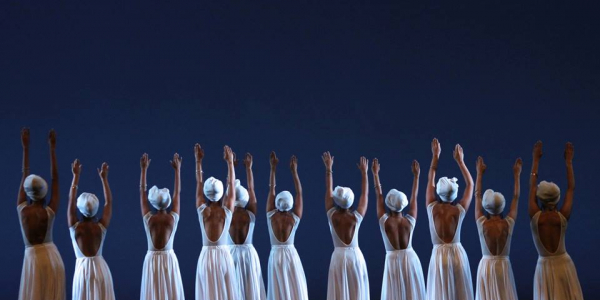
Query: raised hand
point(518, 166)
point(436, 149)
point(363, 164)
point(25, 137)
point(294, 164)
point(458, 153)
point(328, 160)
point(52, 139)
point(537, 150)
point(198, 152)
point(273, 160)
point(248, 161)
point(569, 152)
point(76, 167)
point(375, 167)
point(176, 162)
point(103, 171)
point(416, 168)
point(228, 154)
point(481, 167)
point(145, 162)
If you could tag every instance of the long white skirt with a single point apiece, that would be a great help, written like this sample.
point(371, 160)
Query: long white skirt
point(403, 276)
point(92, 280)
point(495, 279)
point(161, 279)
point(286, 274)
point(348, 278)
point(43, 274)
point(215, 274)
point(449, 275)
point(556, 278)
point(248, 272)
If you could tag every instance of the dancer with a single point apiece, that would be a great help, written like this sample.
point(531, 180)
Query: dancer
point(161, 278)
point(245, 258)
point(449, 275)
point(348, 278)
point(495, 279)
point(215, 274)
point(286, 274)
point(43, 273)
point(403, 274)
point(555, 273)
point(92, 279)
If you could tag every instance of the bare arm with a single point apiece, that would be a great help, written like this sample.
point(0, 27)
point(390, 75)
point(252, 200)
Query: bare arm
point(568, 204)
point(298, 205)
point(468, 194)
point(328, 161)
point(436, 149)
point(416, 170)
point(199, 154)
point(22, 197)
point(481, 167)
point(533, 204)
point(72, 209)
point(55, 198)
point(230, 197)
point(378, 192)
point(144, 164)
point(363, 166)
point(252, 205)
point(514, 205)
point(176, 164)
point(107, 212)
point(273, 160)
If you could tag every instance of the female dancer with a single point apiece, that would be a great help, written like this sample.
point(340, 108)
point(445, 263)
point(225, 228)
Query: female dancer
point(555, 274)
point(245, 258)
point(215, 274)
point(403, 274)
point(161, 278)
point(449, 275)
point(348, 278)
point(92, 280)
point(286, 274)
point(43, 274)
point(495, 278)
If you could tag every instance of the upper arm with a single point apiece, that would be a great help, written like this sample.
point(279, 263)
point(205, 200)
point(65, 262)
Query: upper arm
point(298, 207)
point(565, 210)
point(55, 198)
point(252, 205)
point(144, 202)
point(380, 206)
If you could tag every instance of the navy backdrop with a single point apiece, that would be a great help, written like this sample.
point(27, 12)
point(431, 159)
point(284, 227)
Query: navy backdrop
point(118, 79)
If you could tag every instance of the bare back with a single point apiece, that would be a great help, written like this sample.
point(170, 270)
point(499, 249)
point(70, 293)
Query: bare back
point(282, 224)
point(161, 227)
point(214, 221)
point(398, 229)
point(34, 220)
point(88, 235)
point(344, 223)
point(495, 232)
point(446, 218)
point(549, 229)
point(240, 225)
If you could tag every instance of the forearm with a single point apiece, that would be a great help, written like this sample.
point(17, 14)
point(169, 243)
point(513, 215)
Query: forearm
point(53, 164)
point(272, 181)
point(430, 191)
point(199, 181)
point(297, 183)
point(22, 196)
point(415, 189)
point(570, 177)
point(250, 179)
point(466, 174)
point(107, 192)
point(377, 185)
point(533, 181)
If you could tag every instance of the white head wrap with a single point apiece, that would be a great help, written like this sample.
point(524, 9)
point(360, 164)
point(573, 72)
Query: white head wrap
point(447, 188)
point(35, 187)
point(343, 196)
point(159, 198)
point(493, 202)
point(241, 194)
point(213, 189)
point(284, 201)
point(548, 192)
point(396, 200)
point(87, 204)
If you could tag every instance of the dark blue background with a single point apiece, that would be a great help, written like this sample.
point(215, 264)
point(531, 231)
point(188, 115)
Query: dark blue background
point(120, 78)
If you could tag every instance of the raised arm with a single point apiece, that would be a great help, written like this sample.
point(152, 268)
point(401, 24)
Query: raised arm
point(273, 160)
point(144, 164)
point(514, 205)
point(230, 197)
point(72, 209)
point(328, 161)
point(199, 154)
point(107, 211)
point(378, 192)
point(176, 164)
point(481, 167)
point(416, 170)
point(468, 194)
point(568, 204)
point(533, 204)
point(298, 205)
point(22, 197)
point(55, 197)
point(252, 205)
point(430, 192)
point(363, 166)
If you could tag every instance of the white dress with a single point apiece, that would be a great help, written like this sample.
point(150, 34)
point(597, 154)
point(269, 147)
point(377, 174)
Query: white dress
point(555, 274)
point(161, 279)
point(247, 266)
point(403, 274)
point(495, 279)
point(449, 276)
point(43, 274)
point(92, 279)
point(348, 278)
point(286, 274)
point(215, 274)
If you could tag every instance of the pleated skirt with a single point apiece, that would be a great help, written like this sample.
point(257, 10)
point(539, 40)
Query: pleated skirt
point(215, 275)
point(348, 278)
point(449, 276)
point(43, 274)
point(92, 279)
point(403, 276)
point(495, 279)
point(248, 272)
point(556, 278)
point(286, 274)
point(161, 278)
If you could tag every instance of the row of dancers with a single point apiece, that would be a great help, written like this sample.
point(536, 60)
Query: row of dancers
point(229, 267)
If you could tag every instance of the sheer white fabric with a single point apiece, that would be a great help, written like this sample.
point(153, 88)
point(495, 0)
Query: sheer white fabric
point(286, 274)
point(161, 278)
point(348, 278)
point(449, 275)
point(43, 273)
point(495, 279)
point(215, 274)
point(247, 266)
point(403, 275)
point(92, 279)
point(555, 274)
